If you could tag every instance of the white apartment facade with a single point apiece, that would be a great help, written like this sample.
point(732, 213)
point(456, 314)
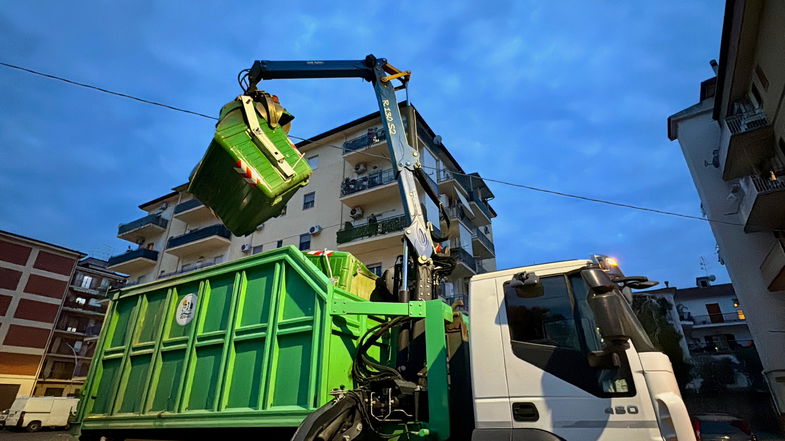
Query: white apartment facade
point(733, 141)
point(353, 182)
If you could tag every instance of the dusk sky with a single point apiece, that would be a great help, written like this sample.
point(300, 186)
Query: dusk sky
point(571, 96)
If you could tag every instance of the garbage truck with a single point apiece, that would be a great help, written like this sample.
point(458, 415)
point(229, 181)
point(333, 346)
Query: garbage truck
point(274, 346)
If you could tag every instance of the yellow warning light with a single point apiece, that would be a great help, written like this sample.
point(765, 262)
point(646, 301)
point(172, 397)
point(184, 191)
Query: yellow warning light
point(611, 261)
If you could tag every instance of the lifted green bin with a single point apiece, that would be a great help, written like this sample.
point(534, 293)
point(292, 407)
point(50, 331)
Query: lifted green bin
point(251, 343)
point(251, 169)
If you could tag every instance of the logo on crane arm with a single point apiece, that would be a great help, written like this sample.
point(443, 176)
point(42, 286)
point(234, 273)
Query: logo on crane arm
point(186, 309)
point(389, 117)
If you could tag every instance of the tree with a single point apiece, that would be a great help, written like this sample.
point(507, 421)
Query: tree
point(653, 314)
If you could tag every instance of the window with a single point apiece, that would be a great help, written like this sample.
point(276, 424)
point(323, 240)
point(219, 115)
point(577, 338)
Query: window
point(86, 282)
point(376, 268)
point(279, 244)
point(257, 249)
point(740, 314)
point(313, 161)
point(53, 392)
point(546, 320)
point(309, 200)
point(305, 242)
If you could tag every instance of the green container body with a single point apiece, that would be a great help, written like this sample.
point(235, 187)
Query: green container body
point(346, 271)
point(218, 180)
point(261, 349)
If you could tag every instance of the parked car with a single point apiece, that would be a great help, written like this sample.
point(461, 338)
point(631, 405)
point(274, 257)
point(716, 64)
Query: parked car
point(721, 427)
point(33, 413)
point(3, 416)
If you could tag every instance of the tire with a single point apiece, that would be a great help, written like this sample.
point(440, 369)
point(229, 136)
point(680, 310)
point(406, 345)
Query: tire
point(34, 426)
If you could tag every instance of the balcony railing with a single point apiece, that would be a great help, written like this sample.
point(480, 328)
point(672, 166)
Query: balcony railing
point(463, 180)
point(371, 229)
point(746, 139)
point(373, 136)
point(484, 239)
point(371, 180)
point(150, 219)
point(188, 269)
point(143, 253)
point(716, 319)
point(483, 206)
point(763, 203)
point(725, 347)
point(187, 205)
point(202, 233)
point(463, 256)
point(747, 121)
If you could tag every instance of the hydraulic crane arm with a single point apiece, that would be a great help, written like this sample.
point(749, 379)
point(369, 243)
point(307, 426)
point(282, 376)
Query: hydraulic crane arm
point(405, 158)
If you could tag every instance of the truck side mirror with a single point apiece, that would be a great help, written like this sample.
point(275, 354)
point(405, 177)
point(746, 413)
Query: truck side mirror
point(611, 310)
point(526, 285)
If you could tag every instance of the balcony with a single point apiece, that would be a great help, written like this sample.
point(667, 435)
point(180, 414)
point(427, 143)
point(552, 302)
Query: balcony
point(745, 140)
point(482, 245)
point(134, 261)
point(375, 186)
point(450, 181)
point(199, 241)
point(773, 267)
point(372, 235)
point(763, 203)
point(193, 211)
point(482, 211)
point(715, 320)
point(466, 265)
point(721, 347)
point(189, 269)
point(371, 145)
point(142, 228)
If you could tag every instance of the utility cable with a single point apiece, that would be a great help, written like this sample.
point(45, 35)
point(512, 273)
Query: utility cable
point(498, 181)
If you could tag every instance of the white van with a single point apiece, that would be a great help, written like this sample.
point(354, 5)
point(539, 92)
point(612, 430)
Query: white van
point(33, 413)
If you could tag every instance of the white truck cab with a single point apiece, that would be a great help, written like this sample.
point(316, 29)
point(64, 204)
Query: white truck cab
point(34, 413)
point(534, 365)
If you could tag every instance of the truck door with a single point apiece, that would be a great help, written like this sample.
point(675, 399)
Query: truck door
point(552, 387)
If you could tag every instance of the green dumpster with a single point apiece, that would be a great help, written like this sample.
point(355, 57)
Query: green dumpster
point(250, 169)
point(247, 344)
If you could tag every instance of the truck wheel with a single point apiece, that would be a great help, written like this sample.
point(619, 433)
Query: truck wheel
point(34, 426)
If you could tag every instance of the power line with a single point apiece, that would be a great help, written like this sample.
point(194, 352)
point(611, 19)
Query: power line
point(498, 181)
point(101, 89)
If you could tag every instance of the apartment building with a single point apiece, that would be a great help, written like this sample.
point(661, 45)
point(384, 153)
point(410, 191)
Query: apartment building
point(733, 141)
point(352, 203)
point(34, 278)
point(71, 347)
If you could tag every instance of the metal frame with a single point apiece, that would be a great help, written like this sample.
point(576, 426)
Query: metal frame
point(435, 313)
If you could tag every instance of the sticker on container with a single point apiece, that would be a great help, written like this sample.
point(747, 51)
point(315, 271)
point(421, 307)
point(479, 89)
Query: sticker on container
point(186, 309)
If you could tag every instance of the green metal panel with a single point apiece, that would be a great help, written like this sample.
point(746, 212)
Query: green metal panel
point(222, 183)
point(261, 348)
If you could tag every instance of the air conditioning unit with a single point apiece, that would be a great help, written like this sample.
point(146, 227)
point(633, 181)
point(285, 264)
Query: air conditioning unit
point(360, 168)
point(245, 248)
point(316, 229)
point(356, 213)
